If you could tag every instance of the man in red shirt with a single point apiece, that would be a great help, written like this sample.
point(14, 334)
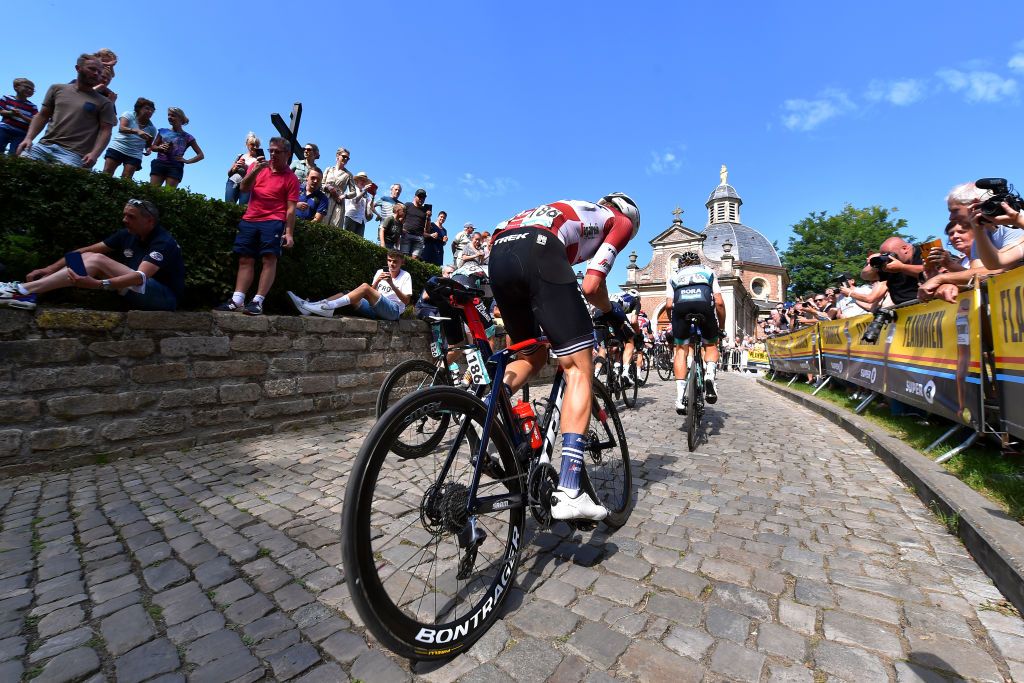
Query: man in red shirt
point(271, 212)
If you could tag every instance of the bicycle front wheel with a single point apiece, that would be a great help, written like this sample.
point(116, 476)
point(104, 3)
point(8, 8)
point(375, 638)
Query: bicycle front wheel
point(664, 363)
point(408, 377)
point(644, 370)
point(607, 476)
point(418, 589)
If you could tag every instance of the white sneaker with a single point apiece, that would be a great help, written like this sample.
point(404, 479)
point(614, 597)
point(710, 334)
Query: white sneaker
point(300, 303)
point(680, 407)
point(563, 506)
point(318, 309)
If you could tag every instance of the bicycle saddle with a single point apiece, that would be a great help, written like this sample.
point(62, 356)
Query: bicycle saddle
point(445, 286)
point(695, 318)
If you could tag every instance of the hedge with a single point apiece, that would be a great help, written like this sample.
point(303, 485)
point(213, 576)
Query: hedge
point(47, 210)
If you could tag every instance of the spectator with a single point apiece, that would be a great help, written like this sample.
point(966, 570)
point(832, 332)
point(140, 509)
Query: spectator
point(302, 167)
point(460, 241)
point(80, 120)
point(359, 207)
point(485, 241)
point(274, 193)
point(417, 216)
point(338, 186)
point(900, 273)
point(104, 85)
point(472, 252)
point(848, 305)
point(312, 204)
point(16, 114)
point(390, 234)
point(384, 299)
point(232, 189)
point(385, 206)
point(134, 135)
point(950, 274)
point(142, 262)
point(434, 240)
point(996, 243)
point(170, 144)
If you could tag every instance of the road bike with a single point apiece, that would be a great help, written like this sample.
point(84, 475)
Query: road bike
point(605, 367)
point(694, 399)
point(431, 543)
point(662, 360)
point(642, 361)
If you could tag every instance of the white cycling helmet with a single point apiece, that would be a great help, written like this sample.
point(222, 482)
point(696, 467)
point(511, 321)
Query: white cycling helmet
point(626, 206)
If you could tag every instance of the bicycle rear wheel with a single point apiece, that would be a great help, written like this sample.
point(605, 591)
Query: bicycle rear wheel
point(692, 425)
point(414, 585)
point(607, 476)
point(664, 364)
point(644, 370)
point(407, 377)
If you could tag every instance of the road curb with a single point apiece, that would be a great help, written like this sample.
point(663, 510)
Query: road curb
point(995, 540)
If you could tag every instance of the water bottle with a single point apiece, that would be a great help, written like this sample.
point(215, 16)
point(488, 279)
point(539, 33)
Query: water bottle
point(524, 411)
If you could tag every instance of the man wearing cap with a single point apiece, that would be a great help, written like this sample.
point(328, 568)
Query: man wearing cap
point(460, 241)
point(142, 262)
point(417, 217)
point(360, 207)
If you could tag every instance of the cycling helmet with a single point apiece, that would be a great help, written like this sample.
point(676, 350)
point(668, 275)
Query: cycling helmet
point(689, 258)
point(473, 275)
point(626, 206)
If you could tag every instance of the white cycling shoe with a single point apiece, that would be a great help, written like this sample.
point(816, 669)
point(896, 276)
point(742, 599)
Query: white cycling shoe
point(563, 506)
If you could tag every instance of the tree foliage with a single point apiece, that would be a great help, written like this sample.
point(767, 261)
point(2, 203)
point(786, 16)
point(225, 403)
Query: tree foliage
point(824, 246)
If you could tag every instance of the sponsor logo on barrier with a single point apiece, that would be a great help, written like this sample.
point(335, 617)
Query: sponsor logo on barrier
point(929, 392)
point(869, 374)
point(832, 335)
point(836, 366)
point(925, 391)
point(924, 330)
point(1012, 313)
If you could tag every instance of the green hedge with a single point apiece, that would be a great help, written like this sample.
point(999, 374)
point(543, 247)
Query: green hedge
point(46, 211)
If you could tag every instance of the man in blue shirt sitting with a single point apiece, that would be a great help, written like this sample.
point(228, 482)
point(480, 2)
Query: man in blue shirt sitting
point(142, 262)
point(312, 204)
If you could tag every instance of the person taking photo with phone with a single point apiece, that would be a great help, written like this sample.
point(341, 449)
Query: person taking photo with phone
point(142, 262)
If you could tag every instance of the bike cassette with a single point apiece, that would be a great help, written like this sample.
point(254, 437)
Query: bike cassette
point(542, 484)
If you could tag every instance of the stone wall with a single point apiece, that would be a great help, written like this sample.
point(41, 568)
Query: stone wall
point(85, 384)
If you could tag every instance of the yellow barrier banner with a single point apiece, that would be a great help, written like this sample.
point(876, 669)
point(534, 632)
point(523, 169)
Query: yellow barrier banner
point(933, 359)
point(796, 352)
point(834, 344)
point(1006, 303)
point(757, 358)
point(865, 363)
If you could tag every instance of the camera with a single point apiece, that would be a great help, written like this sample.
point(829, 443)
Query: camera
point(841, 279)
point(874, 328)
point(1001, 191)
point(882, 260)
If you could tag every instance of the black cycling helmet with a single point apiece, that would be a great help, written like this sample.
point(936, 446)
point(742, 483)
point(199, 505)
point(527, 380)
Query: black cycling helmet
point(689, 258)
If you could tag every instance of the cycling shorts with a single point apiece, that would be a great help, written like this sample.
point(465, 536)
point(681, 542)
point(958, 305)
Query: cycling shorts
point(536, 289)
point(709, 332)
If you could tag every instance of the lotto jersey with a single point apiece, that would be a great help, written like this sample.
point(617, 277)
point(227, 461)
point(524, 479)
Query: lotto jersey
point(588, 230)
point(692, 284)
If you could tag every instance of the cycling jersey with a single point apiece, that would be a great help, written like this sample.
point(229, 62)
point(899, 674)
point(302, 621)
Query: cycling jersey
point(588, 231)
point(692, 290)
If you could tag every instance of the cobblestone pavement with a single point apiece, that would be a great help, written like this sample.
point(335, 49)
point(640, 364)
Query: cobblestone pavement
point(781, 551)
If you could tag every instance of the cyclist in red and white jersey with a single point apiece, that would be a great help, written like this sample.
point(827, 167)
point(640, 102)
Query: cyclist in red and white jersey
point(532, 255)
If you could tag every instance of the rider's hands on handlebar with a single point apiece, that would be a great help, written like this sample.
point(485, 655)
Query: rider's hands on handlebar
point(615, 318)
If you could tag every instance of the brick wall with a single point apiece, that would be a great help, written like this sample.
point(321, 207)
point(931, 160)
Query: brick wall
point(83, 384)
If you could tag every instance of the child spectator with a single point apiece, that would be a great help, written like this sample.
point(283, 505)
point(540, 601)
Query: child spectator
point(384, 299)
point(16, 113)
point(171, 143)
point(134, 135)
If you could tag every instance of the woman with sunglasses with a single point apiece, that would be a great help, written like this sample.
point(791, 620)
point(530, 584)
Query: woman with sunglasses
point(171, 143)
point(339, 187)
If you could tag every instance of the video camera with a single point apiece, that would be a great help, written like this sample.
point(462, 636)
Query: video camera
point(874, 328)
point(1001, 191)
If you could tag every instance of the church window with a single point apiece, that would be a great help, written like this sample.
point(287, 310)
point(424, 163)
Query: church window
point(759, 288)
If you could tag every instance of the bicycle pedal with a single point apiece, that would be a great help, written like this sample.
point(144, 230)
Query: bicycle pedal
point(582, 524)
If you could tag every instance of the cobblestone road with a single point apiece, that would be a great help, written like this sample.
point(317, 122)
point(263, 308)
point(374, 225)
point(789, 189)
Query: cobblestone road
point(781, 551)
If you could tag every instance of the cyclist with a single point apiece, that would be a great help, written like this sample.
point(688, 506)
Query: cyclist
point(630, 302)
point(531, 273)
point(693, 288)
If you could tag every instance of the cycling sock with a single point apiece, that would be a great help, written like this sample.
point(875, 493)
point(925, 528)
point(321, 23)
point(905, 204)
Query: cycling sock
point(258, 299)
point(710, 374)
point(238, 298)
point(680, 389)
point(572, 463)
point(338, 303)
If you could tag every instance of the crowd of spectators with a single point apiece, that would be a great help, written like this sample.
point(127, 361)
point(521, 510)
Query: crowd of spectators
point(79, 119)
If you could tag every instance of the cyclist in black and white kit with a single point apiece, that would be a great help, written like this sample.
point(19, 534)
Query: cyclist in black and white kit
point(534, 285)
point(693, 288)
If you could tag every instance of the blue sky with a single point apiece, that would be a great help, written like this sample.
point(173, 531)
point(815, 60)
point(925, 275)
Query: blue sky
point(494, 108)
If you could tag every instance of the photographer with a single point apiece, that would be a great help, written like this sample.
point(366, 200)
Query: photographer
point(848, 305)
point(898, 266)
point(813, 310)
point(996, 243)
point(953, 273)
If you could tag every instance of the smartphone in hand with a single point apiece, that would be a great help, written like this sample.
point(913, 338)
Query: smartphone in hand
point(73, 260)
point(259, 153)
